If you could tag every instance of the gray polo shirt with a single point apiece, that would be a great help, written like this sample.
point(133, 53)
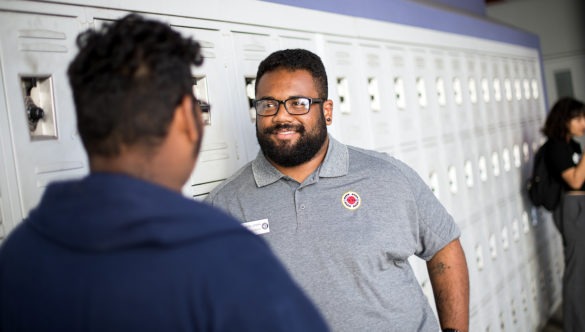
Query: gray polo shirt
point(346, 234)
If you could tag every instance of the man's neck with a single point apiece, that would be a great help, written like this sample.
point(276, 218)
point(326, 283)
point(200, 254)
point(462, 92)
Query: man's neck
point(300, 172)
point(137, 164)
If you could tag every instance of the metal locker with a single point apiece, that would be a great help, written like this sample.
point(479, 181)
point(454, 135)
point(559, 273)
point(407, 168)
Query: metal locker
point(405, 97)
point(347, 89)
point(458, 82)
point(512, 91)
point(498, 104)
point(250, 48)
point(461, 195)
point(220, 154)
point(486, 93)
point(43, 137)
point(444, 94)
point(380, 108)
point(297, 40)
point(425, 102)
point(10, 211)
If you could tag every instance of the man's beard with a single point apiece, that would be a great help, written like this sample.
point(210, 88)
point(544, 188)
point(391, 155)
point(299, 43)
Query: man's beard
point(287, 154)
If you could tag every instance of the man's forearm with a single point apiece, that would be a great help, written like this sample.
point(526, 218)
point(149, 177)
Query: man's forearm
point(450, 280)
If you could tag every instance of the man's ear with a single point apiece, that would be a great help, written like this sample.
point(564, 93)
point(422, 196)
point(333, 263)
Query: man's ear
point(185, 117)
point(328, 111)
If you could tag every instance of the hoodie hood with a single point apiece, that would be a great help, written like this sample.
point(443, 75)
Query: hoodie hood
point(105, 211)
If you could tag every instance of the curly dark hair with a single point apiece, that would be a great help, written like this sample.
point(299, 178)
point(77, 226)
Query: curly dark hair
point(562, 112)
point(297, 59)
point(127, 79)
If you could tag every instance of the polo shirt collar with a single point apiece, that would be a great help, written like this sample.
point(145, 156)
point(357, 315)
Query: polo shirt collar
point(336, 163)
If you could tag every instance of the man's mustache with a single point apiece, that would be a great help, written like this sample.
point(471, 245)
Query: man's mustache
point(284, 126)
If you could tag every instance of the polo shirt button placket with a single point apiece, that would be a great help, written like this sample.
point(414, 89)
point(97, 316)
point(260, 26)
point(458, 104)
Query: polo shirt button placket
point(300, 207)
point(301, 214)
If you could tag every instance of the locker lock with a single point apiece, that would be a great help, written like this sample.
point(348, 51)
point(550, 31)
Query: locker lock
point(39, 106)
point(33, 112)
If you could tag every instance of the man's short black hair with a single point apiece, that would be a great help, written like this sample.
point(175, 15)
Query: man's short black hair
point(127, 79)
point(296, 59)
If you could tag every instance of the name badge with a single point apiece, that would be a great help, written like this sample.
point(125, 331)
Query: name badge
point(258, 227)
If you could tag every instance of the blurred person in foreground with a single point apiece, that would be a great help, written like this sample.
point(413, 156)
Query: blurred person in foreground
point(564, 160)
point(122, 249)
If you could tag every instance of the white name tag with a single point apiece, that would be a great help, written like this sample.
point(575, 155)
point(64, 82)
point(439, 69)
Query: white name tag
point(258, 227)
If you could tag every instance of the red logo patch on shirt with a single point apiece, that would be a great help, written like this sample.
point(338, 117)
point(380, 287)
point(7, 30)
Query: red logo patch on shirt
point(351, 200)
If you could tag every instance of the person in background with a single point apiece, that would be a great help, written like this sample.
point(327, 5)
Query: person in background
point(344, 220)
point(121, 249)
point(563, 157)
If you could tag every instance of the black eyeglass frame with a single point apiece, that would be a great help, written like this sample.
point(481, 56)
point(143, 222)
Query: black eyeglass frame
point(283, 102)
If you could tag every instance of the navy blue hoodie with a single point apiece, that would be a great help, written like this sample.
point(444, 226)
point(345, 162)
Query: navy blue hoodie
point(114, 253)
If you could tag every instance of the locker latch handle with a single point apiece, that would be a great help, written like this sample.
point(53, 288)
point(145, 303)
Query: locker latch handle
point(33, 112)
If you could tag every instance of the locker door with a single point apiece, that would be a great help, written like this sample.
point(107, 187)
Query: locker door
point(472, 82)
point(250, 48)
point(291, 41)
point(443, 98)
point(381, 109)
point(347, 89)
point(525, 90)
point(458, 83)
point(47, 148)
point(538, 109)
point(486, 87)
point(405, 98)
point(425, 101)
point(517, 91)
point(456, 199)
point(475, 240)
point(498, 104)
point(10, 206)
point(220, 153)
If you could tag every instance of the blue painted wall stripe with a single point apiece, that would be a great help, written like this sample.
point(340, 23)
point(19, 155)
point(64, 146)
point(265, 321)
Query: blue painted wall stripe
point(420, 15)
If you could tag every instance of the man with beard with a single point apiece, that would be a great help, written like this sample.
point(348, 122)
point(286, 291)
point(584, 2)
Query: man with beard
point(343, 220)
point(122, 249)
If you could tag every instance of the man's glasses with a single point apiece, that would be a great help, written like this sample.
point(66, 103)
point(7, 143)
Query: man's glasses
point(293, 105)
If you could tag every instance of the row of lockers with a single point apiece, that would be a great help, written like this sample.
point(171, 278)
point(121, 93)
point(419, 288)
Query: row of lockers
point(465, 116)
point(49, 45)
